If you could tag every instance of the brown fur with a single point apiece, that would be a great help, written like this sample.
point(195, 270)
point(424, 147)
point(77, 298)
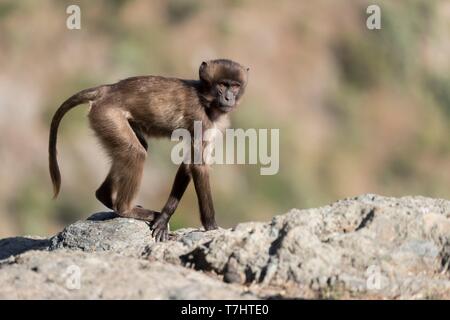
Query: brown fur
point(124, 114)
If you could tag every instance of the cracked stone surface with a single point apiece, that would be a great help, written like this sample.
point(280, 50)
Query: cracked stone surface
point(65, 274)
point(364, 247)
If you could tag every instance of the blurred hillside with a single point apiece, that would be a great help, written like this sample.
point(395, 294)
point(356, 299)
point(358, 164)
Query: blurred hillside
point(359, 111)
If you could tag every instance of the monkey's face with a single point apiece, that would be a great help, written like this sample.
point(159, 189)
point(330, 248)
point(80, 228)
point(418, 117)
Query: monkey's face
point(226, 92)
point(225, 82)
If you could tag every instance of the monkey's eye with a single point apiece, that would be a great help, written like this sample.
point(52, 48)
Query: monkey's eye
point(235, 87)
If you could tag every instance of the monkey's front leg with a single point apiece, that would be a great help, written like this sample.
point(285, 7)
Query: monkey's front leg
point(160, 226)
point(200, 174)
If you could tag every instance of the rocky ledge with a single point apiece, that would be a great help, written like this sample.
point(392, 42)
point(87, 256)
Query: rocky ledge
point(366, 247)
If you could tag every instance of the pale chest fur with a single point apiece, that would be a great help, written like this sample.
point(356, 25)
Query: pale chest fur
point(211, 137)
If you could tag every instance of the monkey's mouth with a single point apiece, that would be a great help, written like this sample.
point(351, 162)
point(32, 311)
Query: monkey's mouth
point(225, 108)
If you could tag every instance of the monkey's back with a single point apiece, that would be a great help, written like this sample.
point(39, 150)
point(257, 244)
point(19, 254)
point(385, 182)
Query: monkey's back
point(157, 104)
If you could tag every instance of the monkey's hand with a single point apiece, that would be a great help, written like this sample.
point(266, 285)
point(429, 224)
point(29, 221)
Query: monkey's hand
point(160, 227)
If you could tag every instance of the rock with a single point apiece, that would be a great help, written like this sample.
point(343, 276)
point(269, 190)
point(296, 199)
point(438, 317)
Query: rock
point(369, 246)
point(365, 247)
point(64, 274)
point(105, 232)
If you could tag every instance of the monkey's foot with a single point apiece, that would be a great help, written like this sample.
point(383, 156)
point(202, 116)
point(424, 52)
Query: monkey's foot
point(210, 226)
point(140, 213)
point(160, 228)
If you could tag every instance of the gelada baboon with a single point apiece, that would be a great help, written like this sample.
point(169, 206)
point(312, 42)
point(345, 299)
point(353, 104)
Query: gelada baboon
point(124, 114)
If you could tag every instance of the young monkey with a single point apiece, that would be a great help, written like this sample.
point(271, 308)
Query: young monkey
point(124, 114)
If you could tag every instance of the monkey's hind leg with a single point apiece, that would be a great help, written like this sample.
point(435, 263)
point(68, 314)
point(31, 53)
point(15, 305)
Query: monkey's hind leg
point(105, 192)
point(127, 174)
point(120, 188)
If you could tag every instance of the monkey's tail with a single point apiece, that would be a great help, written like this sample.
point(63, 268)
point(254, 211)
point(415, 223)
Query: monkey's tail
point(78, 98)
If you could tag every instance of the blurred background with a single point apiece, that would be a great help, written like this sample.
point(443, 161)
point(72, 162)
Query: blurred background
point(358, 110)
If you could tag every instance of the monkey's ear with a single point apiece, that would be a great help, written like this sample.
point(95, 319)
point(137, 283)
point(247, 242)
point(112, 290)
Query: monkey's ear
point(204, 72)
point(248, 69)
